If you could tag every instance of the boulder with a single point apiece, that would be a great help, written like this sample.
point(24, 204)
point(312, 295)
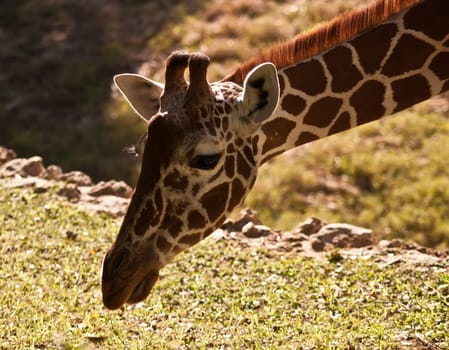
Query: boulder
point(112, 187)
point(76, 177)
point(341, 235)
point(53, 172)
point(6, 155)
point(23, 167)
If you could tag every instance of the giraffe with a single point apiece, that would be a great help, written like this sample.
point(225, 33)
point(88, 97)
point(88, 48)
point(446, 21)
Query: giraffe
point(205, 141)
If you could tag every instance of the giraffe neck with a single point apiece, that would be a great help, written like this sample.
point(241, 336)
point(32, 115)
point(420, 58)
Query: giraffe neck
point(380, 69)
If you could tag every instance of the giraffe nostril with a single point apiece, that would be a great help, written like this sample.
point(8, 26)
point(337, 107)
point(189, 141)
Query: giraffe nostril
point(119, 261)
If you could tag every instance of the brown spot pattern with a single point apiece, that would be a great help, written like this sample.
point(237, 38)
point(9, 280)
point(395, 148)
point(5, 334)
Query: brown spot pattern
point(409, 54)
point(195, 189)
point(308, 77)
point(214, 201)
point(158, 200)
point(163, 245)
point(239, 141)
point(220, 109)
point(293, 104)
point(196, 220)
point(368, 101)
point(282, 126)
point(211, 128)
point(428, 18)
point(409, 91)
point(342, 123)
point(230, 148)
point(173, 224)
point(305, 137)
point(176, 180)
point(445, 86)
point(272, 155)
point(249, 154)
point(190, 239)
point(238, 191)
point(322, 112)
point(242, 166)
point(225, 124)
point(379, 39)
point(254, 144)
point(143, 222)
point(230, 166)
point(146, 219)
point(440, 65)
point(344, 73)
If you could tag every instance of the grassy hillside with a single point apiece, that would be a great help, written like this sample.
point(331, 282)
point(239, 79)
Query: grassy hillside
point(391, 176)
point(215, 296)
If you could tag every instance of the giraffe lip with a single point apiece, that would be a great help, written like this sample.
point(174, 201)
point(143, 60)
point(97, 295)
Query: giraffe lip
point(143, 288)
point(114, 296)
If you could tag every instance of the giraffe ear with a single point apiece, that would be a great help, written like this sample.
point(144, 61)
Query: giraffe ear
point(141, 93)
point(260, 93)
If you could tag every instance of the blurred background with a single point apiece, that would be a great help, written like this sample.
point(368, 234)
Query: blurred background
point(58, 57)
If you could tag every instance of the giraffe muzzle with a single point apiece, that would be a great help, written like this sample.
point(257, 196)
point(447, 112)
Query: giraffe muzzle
point(116, 295)
point(144, 288)
point(125, 281)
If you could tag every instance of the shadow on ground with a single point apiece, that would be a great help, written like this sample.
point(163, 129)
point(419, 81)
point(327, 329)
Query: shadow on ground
point(58, 59)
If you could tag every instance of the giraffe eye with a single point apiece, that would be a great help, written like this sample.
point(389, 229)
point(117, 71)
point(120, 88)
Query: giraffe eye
point(205, 161)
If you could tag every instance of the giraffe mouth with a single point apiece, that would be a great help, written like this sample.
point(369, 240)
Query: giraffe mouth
point(115, 297)
point(144, 287)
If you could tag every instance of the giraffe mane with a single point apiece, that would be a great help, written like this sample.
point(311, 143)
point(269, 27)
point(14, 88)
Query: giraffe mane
point(323, 36)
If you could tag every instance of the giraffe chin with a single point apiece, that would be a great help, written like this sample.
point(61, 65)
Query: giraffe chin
point(137, 292)
point(144, 287)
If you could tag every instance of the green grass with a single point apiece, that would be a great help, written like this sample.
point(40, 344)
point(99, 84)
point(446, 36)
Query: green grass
point(392, 175)
point(215, 296)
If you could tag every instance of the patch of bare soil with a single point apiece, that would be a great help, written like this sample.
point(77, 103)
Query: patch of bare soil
point(312, 238)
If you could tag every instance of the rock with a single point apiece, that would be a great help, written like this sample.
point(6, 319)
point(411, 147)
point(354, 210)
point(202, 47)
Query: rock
point(294, 237)
point(23, 166)
point(6, 155)
point(76, 177)
point(344, 236)
point(245, 216)
point(112, 187)
point(39, 185)
point(317, 245)
point(309, 226)
point(112, 205)
point(255, 231)
point(70, 191)
point(53, 172)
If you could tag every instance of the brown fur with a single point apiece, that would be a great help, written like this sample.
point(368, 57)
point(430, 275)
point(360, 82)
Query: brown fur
point(324, 36)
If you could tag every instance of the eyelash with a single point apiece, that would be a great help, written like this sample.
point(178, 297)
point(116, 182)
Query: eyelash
point(138, 148)
point(206, 161)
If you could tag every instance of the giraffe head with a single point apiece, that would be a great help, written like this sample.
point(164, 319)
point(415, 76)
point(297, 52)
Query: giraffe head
point(199, 162)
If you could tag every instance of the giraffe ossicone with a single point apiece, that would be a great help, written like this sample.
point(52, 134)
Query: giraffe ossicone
point(205, 142)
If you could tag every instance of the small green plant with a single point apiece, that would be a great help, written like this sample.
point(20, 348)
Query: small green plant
point(215, 296)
